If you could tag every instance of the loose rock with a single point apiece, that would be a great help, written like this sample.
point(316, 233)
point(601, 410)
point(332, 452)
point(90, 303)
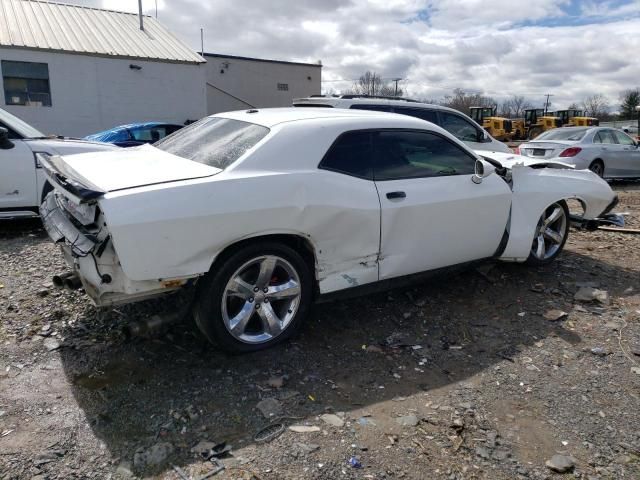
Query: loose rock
point(270, 408)
point(332, 420)
point(561, 463)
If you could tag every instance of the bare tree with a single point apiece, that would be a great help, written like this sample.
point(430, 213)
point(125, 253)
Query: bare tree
point(596, 106)
point(505, 109)
point(573, 106)
point(370, 83)
point(518, 105)
point(462, 101)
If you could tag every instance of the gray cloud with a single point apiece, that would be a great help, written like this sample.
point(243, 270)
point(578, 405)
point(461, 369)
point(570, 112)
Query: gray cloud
point(434, 46)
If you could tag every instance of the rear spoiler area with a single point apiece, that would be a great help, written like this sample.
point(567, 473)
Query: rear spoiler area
point(64, 178)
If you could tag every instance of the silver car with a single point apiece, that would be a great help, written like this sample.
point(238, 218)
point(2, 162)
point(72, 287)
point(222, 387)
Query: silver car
point(609, 152)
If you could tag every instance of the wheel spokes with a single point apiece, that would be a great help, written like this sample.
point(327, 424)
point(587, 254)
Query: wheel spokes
point(267, 267)
point(540, 249)
point(552, 235)
point(238, 324)
point(555, 215)
point(239, 288)
point(289, 289)
point(270, 321)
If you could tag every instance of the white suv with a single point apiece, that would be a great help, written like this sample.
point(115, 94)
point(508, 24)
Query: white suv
point(455, 122)
point(22, 183)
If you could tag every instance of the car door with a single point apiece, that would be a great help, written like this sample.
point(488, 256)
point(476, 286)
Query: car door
point(608, 152)
point(629, 155)
point(17, 175)
point(432, 214)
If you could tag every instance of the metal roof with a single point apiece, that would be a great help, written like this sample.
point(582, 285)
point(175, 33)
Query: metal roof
point(42, 25)
point(253, 59)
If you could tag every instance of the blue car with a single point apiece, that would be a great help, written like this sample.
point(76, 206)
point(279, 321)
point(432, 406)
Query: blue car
point(135, 134)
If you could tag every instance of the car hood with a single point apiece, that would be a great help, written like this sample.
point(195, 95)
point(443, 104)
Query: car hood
point(66, 146)
point(508, 160)
point(122, 168)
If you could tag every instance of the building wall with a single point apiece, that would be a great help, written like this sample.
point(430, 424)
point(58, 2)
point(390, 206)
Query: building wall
point(91, 93)
point(236, 84)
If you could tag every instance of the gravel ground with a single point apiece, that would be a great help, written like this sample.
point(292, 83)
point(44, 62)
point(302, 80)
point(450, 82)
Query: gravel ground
point(494, 373)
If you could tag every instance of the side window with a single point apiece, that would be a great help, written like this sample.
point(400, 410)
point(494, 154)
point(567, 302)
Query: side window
point(604, 136)
point(623, 139)
point(149, 134)
point(459, 127)
point(350, 154)
point(375, 108)
point(413, 154)
point(421, 113)
point(26, 83)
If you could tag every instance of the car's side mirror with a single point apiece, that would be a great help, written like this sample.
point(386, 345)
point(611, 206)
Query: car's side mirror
point(5, 142)
point(482, 170)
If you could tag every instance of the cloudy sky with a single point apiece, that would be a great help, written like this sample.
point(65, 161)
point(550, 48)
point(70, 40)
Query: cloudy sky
point(568, 48)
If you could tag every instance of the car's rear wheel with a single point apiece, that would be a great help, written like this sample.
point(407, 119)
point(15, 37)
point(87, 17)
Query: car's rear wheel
point(597, 167)
point(551, 234)
point(256, 298)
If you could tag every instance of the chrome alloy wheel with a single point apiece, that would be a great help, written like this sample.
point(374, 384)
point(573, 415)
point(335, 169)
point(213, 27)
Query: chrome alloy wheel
point(550, 232)
point(261, 299)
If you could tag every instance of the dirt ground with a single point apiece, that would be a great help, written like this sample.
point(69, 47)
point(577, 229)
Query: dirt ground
point(485, 374)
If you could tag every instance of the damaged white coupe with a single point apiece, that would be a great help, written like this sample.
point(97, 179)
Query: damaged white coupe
point(264, 211)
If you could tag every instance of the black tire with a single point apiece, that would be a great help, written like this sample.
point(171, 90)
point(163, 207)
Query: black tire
point(534, 132)
point(535, 261)
point(208, 308)
point(597, 167)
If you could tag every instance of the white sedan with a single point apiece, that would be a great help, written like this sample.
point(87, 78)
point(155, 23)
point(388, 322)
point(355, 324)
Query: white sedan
point(608, 152)
point(265, 210)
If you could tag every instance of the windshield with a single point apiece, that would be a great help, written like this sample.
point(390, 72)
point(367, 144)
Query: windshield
point(14, 123)
point(214, 141)
point(563, 134)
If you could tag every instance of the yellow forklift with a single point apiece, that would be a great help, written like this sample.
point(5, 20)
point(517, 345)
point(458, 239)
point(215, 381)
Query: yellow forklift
point(576, 118)
point(534, 123)
point(499, 128)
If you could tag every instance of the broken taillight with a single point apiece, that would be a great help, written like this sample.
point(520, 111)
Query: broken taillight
point(570, 152)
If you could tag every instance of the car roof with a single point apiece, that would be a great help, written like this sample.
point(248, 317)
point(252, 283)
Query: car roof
point(269, 117)
point(345, 101)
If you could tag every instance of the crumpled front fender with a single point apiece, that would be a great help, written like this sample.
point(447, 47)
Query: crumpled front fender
point(534, 189)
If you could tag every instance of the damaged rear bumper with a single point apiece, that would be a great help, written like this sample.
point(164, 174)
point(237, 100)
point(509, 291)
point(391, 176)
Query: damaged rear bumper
point(92, 257)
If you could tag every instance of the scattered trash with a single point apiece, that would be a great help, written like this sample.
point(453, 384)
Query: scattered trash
point(590, 294)
point(276, 382)
point(561, 463)
point(270, 408)
point(51, 344)
point(355, 463)
point(635, 370)
point(555, 315)
point(304, 428)
point(600, 351)
point(270, 432)
point(6, 432)
point(333, 420)
point(408, 421)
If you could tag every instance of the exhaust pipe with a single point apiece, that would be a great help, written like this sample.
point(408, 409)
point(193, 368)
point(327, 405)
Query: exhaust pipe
point(150, 325)
point(72, 282)
point(58, 280)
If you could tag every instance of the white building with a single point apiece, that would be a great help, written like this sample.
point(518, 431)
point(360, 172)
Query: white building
point(73, 70)
point(236, 83)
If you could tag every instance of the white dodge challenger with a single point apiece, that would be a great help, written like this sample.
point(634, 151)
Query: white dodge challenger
point(264, 211)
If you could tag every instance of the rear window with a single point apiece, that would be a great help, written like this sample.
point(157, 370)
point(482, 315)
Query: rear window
point(214, 141)
point(563, 134)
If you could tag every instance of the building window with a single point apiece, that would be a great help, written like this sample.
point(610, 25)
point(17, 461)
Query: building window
point(26, 83)
point(284, 87)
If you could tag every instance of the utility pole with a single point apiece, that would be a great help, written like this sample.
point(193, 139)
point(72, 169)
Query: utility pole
point(396, 90)
point(140, 14)
point(546, 104)
point(202, 41)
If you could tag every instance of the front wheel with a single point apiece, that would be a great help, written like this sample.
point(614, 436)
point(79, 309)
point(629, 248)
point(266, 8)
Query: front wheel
point(552, 232)
point(254, 299)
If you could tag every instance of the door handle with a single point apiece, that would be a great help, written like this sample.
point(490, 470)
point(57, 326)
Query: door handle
point(392, 195)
